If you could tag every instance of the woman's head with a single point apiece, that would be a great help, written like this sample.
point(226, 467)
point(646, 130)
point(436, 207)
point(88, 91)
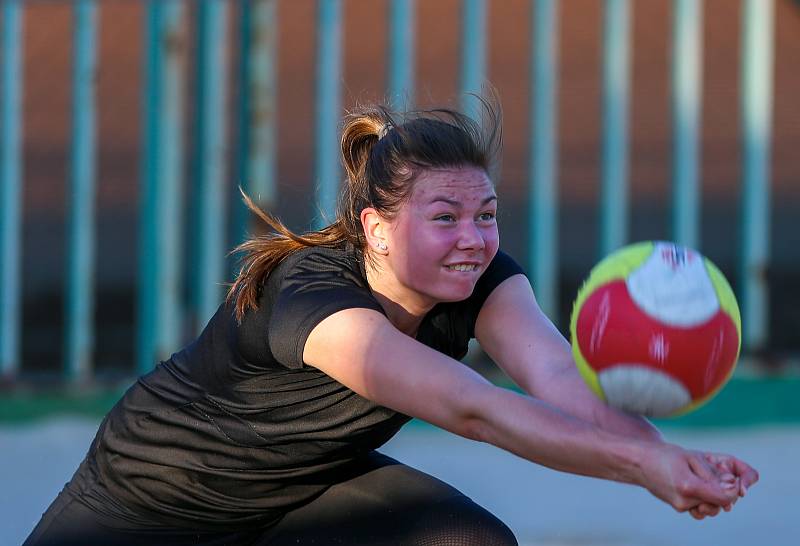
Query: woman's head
point(383, 154)
point(419, 200)
point(438, 243)
point(386, 156)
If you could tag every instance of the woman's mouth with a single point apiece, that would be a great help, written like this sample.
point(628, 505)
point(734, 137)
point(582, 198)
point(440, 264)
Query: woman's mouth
point(462, 267)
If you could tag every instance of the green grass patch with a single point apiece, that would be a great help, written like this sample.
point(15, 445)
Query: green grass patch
point(25, 407)
point(747, 401)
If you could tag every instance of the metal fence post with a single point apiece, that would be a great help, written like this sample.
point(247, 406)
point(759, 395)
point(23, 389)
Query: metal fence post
point(159, 320)
point(543, 178)
point(10, 188)
point(329, 67)
point(401, 54)
point(616, 83)
point(756, 85)
point(257, 116)
point(474, 37)
point(81, 252)
point(687, 58)
point(264, 96)
point(210, 154)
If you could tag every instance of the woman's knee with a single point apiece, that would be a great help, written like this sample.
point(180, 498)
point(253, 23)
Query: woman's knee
point(459, 521)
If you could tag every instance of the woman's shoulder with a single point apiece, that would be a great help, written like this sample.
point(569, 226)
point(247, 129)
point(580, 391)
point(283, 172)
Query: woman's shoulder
point(316, 262)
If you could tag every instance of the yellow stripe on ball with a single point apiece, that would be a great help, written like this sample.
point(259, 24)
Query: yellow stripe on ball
point(617, 265)
point(727, 302)
point(586, 371)
point(726, 297)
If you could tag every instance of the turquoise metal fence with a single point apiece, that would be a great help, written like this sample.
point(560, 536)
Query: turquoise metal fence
point(210, 169)
point(756, 91)
point(11, 187)
point(161, 319)
point(474, 39)
point(81, 263)
point(401, 53)
point(543, 176)
point(687, 58)
point(614, 201)
point(329, 74)
point(257, 98)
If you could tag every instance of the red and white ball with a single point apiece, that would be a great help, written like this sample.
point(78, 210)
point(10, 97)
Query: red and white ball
point(656, 329)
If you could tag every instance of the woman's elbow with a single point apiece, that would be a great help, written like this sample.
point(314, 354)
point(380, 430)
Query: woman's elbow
point(477, 429)
point(473, 415)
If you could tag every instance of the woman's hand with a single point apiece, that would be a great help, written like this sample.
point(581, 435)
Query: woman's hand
point(699, 483)
point(726, 465)
point(731, 471)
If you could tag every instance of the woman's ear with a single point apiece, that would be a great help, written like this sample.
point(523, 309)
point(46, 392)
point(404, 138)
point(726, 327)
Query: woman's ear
point(374, 230)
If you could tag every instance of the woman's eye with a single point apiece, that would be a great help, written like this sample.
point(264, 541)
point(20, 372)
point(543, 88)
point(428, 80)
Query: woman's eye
point(446, 217)
point(487, 216)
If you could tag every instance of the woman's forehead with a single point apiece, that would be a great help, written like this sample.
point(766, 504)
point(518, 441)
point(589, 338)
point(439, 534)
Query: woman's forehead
point(452, 183)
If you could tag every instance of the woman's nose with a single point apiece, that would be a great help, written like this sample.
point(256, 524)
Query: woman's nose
point(471, 237)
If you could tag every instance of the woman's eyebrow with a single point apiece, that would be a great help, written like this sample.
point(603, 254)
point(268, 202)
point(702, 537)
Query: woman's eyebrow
point(455, 203)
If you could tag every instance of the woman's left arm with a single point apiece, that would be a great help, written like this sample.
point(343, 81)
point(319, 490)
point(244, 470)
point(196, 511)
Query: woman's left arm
point(525, 344)
point(517, 335)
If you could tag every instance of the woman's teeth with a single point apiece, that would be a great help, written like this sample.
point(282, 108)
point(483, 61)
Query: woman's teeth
point(463, 267)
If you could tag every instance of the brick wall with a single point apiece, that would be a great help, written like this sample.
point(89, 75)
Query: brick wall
point(46, 138)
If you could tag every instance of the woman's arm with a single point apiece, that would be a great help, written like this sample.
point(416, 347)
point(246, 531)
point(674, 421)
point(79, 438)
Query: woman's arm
point(514, 331)
point(517, 335)
point(361, 349)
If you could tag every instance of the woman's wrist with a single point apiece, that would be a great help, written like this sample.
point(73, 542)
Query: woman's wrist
point(631, 455)
point(649, 432)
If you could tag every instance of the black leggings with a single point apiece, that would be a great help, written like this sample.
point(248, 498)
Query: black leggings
point(390, 504)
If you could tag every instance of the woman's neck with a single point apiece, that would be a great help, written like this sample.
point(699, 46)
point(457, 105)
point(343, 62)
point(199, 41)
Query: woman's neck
point(404, 314)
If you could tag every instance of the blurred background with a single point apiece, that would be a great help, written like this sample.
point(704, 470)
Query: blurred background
point(128, 126)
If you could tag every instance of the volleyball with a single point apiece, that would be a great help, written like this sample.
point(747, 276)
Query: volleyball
point(655, 329)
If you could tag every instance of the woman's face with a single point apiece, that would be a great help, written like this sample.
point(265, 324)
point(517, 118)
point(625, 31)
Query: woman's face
point(443, 238)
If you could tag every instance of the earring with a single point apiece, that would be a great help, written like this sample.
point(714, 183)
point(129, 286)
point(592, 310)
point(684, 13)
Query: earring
point(382, 246)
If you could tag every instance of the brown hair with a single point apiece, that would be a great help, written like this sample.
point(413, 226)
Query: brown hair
point(382, 152)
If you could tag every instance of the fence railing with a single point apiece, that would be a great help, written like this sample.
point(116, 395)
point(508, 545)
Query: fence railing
point(160, 315)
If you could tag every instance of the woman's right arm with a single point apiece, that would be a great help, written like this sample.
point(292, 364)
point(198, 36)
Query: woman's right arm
point(362, 350)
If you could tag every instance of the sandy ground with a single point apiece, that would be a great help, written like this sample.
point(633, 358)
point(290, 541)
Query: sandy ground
point(543, 507)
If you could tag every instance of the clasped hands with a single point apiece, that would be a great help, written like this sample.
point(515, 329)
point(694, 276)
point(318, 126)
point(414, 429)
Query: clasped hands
point(700, 483)
point(734, 477)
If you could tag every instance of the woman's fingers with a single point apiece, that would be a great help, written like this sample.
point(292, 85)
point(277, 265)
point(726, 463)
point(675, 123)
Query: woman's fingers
point(695, 482)
point(713, 484)
point(747, 474)
point(712, 487)
point(727, 464)
point(710, 510)
point(704, 510)
point(702, 467)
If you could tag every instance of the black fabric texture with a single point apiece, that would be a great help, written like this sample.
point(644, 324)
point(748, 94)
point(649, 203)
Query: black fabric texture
point(388, 504)
point(234, 431)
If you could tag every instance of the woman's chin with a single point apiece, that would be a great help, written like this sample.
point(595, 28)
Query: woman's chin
point(456, 291)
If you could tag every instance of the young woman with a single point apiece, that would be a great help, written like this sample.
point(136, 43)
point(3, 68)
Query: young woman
point(264, 430)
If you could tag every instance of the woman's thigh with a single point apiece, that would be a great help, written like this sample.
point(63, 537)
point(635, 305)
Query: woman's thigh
point(69, 522)
point(391, 504)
